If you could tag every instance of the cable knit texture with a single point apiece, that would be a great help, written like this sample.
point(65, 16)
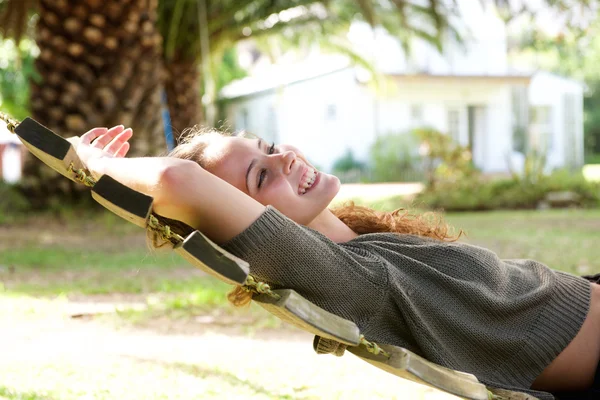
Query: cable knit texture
point(455, 304)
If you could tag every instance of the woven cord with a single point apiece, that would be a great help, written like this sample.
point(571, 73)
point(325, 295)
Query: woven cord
point(81, 176)
point(251, 285)
point(373, 347)
point(11, 123)
point(164, 231)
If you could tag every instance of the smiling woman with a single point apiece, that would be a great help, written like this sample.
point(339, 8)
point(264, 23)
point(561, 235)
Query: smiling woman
point(402, 278)
point(276, 175)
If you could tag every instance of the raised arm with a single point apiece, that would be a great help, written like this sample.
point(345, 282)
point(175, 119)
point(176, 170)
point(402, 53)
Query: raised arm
point(181, 189)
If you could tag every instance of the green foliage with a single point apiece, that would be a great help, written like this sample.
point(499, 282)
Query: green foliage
point(592, 158)
point(228, 69)
point(350, 170)
point(12, 394)
point(347, 162)
point(12, 202)
point(444, 159)
point(591, 107)
point(16, 70)
point(533, 167)
point(573, 51)
point(477, 194)
point(394, 157)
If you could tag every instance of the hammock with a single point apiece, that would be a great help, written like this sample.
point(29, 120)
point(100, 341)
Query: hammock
point(333, 335)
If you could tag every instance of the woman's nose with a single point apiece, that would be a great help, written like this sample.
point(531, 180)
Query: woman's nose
point(287, 160)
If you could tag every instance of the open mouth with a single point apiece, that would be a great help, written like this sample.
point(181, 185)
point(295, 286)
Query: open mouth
point(308, 181)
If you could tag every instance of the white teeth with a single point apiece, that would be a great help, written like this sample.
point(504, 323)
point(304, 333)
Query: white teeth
point(307, 181)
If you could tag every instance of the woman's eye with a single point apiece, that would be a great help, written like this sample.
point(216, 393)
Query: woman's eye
point(261, 177)
point(263, 172)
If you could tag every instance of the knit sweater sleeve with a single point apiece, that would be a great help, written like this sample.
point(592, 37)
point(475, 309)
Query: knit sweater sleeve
point(288, 255)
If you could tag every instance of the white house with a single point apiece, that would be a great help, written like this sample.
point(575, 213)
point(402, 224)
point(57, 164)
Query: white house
point(325, 106)
point(11, 156)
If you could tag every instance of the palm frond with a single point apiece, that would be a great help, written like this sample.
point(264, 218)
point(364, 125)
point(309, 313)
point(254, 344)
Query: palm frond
point(368, 11)
point(224, 15)
point(14, 17)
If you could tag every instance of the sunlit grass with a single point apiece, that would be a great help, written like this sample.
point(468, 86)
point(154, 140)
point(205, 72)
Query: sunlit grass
point(591, 172)
point(565, 239)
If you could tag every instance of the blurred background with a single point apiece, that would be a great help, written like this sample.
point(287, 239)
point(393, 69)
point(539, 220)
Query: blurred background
point(374, 91)
point(487, 110)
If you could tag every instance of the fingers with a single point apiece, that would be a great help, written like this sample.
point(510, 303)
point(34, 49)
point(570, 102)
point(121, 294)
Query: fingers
point(115, 144)
point(122, 150)
point(107, 137)
point(92, 134)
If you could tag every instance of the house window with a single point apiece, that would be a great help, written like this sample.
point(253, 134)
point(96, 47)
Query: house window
point(331, 112)
point(520, 118)
point(243, 119)
point(540, 128)
point(454, 124)
point(416, 113)
point(271, 124)
point(570, 129)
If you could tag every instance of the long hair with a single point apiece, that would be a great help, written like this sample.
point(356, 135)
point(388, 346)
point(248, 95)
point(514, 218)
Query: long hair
point(360, 219)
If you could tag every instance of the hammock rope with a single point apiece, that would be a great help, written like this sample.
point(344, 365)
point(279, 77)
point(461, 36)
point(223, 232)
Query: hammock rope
point(81, 176)
point(11, 123)
point(251, 285)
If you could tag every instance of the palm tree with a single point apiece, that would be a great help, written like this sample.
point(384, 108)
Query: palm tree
point(99, 65)
point(197, 32)
point(101, 62)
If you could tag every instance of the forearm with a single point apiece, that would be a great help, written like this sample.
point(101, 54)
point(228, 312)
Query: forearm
point(184, 191)
point(144, 174)
point(208, 203)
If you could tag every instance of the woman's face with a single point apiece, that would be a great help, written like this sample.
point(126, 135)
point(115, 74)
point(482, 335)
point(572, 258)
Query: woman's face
point(276, 175)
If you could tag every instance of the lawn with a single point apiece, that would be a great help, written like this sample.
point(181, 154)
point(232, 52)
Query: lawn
point(100, 255)
point(166, 331)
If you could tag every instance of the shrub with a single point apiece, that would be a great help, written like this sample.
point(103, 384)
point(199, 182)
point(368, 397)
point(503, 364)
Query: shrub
point(348, 169)
point(514, 193)
point(395, 158)
point(347, 162)
point(444, 159)
point(11, 201)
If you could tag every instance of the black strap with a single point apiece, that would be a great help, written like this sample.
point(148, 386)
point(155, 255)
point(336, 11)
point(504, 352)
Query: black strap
point(593, 278)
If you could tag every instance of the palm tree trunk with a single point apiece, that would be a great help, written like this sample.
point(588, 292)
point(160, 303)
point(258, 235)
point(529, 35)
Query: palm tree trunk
point(100, 64)
point(183, 94)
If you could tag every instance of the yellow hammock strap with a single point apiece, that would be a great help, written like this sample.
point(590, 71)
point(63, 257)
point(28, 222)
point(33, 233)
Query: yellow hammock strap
point(11, 123)
point(251, 285)
point(373, 347)
point(82, 176)
point(163, 230)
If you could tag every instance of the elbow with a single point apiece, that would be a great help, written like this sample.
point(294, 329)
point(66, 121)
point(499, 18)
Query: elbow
point(173, 185)
point(174, 175)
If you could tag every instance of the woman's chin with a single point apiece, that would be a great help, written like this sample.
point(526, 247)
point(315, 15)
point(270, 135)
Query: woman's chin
point(333, 185)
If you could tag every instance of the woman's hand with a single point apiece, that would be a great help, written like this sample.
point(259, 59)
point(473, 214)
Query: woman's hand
point(101, 143)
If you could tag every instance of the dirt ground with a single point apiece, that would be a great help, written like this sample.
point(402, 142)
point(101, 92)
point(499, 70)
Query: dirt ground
point(46, 354)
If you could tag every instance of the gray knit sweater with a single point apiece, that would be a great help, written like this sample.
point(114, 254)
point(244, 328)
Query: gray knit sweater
point(455, 304)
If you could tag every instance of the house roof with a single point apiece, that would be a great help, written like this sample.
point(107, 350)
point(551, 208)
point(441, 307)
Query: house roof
point(285, 75)
point(504, 78)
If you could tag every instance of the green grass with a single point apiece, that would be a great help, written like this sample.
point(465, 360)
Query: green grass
point(39, 273)
point(567, 240)
point(10, 394)
point(57, 258)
